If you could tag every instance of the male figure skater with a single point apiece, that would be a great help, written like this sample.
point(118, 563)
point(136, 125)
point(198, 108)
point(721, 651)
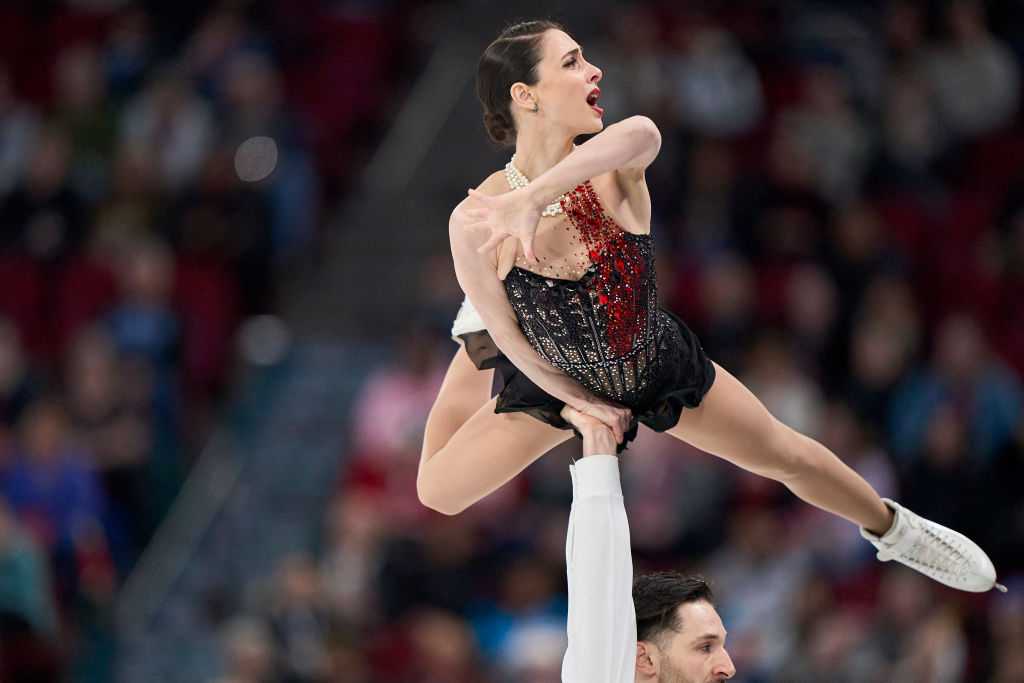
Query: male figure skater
point(667, 631)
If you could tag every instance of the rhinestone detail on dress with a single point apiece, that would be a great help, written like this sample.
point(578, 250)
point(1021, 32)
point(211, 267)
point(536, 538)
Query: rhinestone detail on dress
point(604, 328)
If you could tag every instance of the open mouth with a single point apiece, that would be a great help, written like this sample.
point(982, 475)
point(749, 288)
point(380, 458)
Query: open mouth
point(592, 101)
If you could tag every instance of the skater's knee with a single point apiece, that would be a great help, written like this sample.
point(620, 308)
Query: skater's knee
point(432, 494)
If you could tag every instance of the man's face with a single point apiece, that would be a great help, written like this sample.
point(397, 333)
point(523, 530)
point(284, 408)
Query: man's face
point(696, 654)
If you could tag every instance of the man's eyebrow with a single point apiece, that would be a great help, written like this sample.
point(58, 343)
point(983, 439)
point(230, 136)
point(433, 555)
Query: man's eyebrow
point(706, 636)
point(575, 49)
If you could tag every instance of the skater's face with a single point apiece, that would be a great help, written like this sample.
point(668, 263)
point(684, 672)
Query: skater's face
point(565, 93)
point(695, 654)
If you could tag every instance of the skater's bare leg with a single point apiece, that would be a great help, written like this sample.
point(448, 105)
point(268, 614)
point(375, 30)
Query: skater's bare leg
point(734, 425)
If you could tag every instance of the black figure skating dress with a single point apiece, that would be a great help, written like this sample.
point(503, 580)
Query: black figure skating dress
point(604, 329)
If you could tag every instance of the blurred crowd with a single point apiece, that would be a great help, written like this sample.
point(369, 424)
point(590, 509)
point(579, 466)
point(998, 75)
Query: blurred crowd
point(838, 209)
point(130, 251)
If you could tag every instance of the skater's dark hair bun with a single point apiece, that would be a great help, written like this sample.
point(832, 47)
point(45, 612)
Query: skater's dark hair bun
point(499, 128)
point(512, 57)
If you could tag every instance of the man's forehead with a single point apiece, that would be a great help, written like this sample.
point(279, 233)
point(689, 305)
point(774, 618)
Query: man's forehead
point(700, 618)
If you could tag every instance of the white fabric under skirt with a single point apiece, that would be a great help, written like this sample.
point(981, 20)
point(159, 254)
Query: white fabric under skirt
point(467, 320)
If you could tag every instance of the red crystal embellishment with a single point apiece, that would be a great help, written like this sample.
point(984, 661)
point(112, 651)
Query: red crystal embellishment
point(620, 265)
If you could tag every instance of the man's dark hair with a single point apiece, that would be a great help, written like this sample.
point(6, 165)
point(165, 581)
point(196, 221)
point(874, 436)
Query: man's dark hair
point(657, 597)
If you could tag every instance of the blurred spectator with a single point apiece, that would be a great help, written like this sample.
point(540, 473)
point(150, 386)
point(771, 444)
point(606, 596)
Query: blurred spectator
point(912, 135)
point(221, 35)
point(18, 387)
point(299, 622)
point(1006, 630)
point(84, 110)
point(780, 215)
point(937, 653)
point(395, 401)
point(759, 573)
point(716, 89)
point(812, 315)
point(143, 323)
point(45, 216)
point(885, 342)
point(526, 600)
point(943, 481)
point(973, 75)
point(964, 374)
point(827, 129)
point(443, 650)
point(775, 377)
point(1010, 326)
point(858, 254)
point(129, 51)
point(19, 126)
point(632, 63)
point(708, 202)
point(117, 433)
point(904, 27)
point(439, 566)
point(131, 211)
point(352, 557)
point(172, 125)
point(248, 651)
point(223, 226)
point(727, 307)
point(51, 486)
point(25, 590)
point(28, 616)
point(254, 107)
point(834, 651)
point(1002, 495)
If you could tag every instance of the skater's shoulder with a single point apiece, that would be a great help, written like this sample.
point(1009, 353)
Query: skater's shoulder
point(494, 184)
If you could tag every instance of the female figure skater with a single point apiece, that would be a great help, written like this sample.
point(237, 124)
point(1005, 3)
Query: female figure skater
point(560, 269)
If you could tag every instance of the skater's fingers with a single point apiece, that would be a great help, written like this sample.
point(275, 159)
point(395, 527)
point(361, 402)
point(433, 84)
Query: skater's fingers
point(528, 252)
point(507, 256)
point(491, 243)
point(618, 433)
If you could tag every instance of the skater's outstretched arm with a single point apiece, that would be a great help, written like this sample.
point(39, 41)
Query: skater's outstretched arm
point(599, 565)
point(626, 147)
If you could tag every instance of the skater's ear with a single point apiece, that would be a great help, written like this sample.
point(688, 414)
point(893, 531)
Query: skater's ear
point(647, 661)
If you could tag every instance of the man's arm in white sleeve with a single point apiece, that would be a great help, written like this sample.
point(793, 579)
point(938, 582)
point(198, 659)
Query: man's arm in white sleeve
point(599, 565)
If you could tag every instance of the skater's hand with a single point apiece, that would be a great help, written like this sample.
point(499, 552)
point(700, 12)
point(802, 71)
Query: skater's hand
point(511, 214)
point(597, 437)
point(617, 418)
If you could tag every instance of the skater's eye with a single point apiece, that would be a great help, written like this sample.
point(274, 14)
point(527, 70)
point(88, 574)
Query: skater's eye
point(571, 62)
point(706, 647)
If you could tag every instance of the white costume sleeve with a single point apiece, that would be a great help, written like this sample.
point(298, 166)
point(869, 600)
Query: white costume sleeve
point(599, 564)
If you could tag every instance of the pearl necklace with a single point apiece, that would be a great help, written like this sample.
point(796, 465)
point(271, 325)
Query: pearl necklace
point(516, 180)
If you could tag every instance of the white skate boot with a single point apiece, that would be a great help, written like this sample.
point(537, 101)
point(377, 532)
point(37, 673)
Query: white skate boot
point(945, 555)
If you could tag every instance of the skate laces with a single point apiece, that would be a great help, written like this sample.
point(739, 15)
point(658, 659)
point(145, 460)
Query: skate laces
point(930, 549)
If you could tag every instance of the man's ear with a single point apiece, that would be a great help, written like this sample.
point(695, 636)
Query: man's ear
point(646, 660)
